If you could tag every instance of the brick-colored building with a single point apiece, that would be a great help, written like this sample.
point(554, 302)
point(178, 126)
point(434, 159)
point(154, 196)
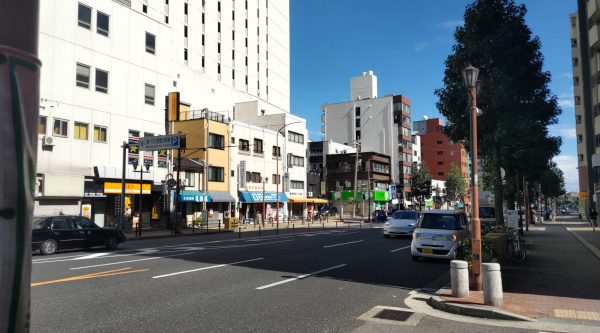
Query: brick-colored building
point(439, 152)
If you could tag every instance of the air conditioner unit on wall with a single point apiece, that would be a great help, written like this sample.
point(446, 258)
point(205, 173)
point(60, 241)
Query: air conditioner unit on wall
point(185, 182)
point(48, 141)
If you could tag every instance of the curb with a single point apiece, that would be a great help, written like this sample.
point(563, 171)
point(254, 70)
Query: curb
point(474, 311)
point(133, 238)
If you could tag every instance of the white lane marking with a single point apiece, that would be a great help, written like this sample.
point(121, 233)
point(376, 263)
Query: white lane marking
point(205, 268)
point(346, 233)
point(91, 256)
point(128, 261)
point(402, 248)
point(300, 277)
point(342, 244)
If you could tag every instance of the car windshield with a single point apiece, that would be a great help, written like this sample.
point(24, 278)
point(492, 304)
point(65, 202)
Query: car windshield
point(405, 215)
point(487, 212)
point(438, 221)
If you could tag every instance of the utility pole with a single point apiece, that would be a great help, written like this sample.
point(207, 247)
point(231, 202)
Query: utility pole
point(357, 145)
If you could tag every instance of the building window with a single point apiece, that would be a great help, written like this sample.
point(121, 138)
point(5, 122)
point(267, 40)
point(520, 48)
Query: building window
point(82, 77)
point(202, 18)
point(441, 163)
point(166, 19)
point(185, 31)
point(575, 62)
point(244, 145)
point(276, 179)
point(440, 173)
point(258, 146)
point(578, 119)
point(295, 184)
point(233, 54)
point(451, 163)
point(451, 153)
point(357, 122)
point(42, 124)
point(150, 43)
point(145, 9)
point(99, 134)
point(84, 16)
point(202, 61)
point(579, 138)
point(190, 177)
point(185, 8)
point(81, 131)
point(101, 81)
point(185, 54)
point(216, 174)
point(357, 135)
point(149, 92)
point(61, 128)
point(233, 74)
point(276, 151)
point(580, 157)
point(218, 26)
point(218, 47)
point(219, 6)
point(218, 68)
point(296, 160)
point(439, 142)
point(202, 39)
point(216, 141)
point(440, 152)
point(102, 24)
point(357, 111)
point(576, 80)
point(577, 100)
point(295, 137)
point(233, 15)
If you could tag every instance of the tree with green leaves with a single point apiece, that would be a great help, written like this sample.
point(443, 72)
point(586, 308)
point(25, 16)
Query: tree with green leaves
point(553, 182)
point(515, 99)
point(420, 183)
point(455, 185)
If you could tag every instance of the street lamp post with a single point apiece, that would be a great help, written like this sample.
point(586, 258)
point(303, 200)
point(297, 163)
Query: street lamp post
point(135, 165)
point(277, 170)
point(264, 181)
point(473, 86)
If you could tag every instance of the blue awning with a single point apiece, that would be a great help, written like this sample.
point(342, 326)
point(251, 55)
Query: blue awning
point(258, 197)
point(194, 196)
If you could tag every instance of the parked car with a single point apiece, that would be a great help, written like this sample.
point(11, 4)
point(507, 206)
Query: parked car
point(328, 211)
point(380, 215)
point(402, 223)
point(438, 233)
point(55, 233)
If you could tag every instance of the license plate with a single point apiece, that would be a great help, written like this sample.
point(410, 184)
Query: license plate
point(427, 251)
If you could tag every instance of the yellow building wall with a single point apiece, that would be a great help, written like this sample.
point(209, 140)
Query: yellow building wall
point(195, 131)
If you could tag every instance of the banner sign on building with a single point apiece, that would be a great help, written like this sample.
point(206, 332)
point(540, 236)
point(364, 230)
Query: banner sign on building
point(162, 158)
point(130, 188)
point(242, 174)
point(173, 106)
point(392, 190)
point(134, 149)
point(322, 188)
point(286, 182)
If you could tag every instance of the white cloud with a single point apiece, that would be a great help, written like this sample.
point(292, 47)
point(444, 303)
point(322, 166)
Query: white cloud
point(450, 24)
point(420, 46)
point(565, 75)
point(564, 132)
point(568, 165)
point(566, 103)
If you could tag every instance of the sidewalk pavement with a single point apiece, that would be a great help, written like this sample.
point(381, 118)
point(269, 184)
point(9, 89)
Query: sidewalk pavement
point(331, 223)
point(558, 280)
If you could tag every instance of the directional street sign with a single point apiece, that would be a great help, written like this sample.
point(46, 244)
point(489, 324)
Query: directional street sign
point(160, 142)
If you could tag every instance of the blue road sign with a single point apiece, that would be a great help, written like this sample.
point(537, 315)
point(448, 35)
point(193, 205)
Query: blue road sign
point(159, 142)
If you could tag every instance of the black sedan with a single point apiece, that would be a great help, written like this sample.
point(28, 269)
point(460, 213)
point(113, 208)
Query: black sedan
point(50, 234)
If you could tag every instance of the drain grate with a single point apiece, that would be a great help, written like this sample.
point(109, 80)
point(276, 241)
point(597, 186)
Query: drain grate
point(396, 315)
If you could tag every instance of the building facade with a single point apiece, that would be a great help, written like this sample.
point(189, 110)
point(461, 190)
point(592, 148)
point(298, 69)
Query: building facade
point(108, 65)
point(372, 123)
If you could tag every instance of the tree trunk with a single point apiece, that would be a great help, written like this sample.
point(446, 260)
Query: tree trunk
point(510, 198)
point(498, 186)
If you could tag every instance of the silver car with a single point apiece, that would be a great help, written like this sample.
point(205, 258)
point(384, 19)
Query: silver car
point(402, 223)
point(438, 233)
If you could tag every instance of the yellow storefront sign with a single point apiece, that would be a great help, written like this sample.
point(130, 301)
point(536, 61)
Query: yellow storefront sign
point(130, 188)
point(583, 195)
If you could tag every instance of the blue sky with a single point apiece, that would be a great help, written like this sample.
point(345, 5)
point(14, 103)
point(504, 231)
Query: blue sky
point(405, 44)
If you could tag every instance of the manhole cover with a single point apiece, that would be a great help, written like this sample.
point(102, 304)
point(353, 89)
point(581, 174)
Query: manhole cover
point(396, 315)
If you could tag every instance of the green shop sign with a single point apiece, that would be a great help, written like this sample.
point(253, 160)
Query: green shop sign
point(375, 195)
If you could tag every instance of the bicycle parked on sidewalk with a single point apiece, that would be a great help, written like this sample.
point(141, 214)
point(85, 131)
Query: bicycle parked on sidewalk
point(516, 248)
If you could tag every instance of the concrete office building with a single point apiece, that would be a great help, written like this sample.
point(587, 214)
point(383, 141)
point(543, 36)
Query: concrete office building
point(378, 124)
point(107, 67)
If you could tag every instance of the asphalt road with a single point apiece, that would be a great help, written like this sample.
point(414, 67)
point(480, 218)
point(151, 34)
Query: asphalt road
point(307, 282)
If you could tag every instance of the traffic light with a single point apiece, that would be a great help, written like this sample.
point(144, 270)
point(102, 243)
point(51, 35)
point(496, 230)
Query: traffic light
point(542, 197)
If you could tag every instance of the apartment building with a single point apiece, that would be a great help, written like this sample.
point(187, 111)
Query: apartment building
point(374, 124)
point(108, 65)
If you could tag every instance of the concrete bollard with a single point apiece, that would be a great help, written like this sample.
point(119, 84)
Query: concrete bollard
point(492, 285)
point(459, 276)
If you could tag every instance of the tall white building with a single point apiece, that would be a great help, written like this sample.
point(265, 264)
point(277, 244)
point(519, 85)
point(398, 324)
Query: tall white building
point(106, 69)
point(379, 124)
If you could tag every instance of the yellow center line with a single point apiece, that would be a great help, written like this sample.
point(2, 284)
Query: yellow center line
point(91, 276)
